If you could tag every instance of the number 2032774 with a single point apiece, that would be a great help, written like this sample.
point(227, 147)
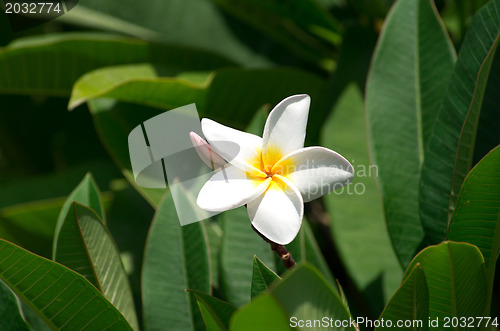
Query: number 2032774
point(32, 7)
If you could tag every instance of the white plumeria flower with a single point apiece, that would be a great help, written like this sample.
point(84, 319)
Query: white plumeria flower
point(273, 175)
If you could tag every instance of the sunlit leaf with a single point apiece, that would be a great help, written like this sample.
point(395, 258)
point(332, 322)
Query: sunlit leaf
point(85, 245)
point(87, 194)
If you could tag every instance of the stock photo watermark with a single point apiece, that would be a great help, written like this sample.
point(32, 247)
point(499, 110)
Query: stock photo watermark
point(168, 151)
point(25, 14)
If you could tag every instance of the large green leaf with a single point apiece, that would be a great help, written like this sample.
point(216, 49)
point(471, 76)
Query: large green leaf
point(129, 220)
point(217, 95)
point(216, 313)
point(411, 66)
point(239, 245)
point(410, 303)
point(304, 293)
point(188, 23)
point(264, 313)
point(85, 245)
point(441, 151)
point(50, 64)
point(465, 151)
point(229, 96)
point(301, 26)
point(262, 277)
point(302, 297)
point(86, 193)
point(360, 234)
point(175, 259)
point(133, 83)
point(477, 217)
point(456, 279)
point(62, 298)
point(10, 311)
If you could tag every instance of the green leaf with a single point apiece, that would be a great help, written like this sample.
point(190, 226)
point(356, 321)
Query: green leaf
point(187, 23)
point(262, 277)
point(129, 220)
point(239, 245)
point(342, 295)
point(85, 245)
point(61, 297)
point(441, 151)
point(10, 310)
point(216, 313)
point(465, 151)
point(217, 95)
point(456, 279)
point(477, 217)
point(264, 313)
point(409, 303)
point(86, 193)
point(131, 83)
point(301, 26)
point(411, 66)
point(304, 293)
point(360, 234)
point(51, 64)
point(175, 259)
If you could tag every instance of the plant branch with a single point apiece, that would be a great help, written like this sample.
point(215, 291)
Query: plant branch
point(285, 256)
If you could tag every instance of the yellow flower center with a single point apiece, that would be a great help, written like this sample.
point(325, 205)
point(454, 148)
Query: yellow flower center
point(270, 168)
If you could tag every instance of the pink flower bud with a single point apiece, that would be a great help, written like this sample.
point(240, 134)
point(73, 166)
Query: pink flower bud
point(205, 152)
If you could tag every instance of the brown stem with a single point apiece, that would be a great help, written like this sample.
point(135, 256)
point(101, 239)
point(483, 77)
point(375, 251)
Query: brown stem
point(285, 256)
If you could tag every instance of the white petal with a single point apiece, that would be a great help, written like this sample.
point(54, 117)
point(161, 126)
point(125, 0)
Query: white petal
point(277, 214)
point(238, 148)
point(285, 128)
point(205, 152)
point(229, 188)
point(315, 171)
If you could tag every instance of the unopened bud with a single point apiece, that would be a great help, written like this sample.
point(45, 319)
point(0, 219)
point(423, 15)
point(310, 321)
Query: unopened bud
point(206, 153)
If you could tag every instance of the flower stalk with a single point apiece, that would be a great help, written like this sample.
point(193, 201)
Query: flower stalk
point(285, 256)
